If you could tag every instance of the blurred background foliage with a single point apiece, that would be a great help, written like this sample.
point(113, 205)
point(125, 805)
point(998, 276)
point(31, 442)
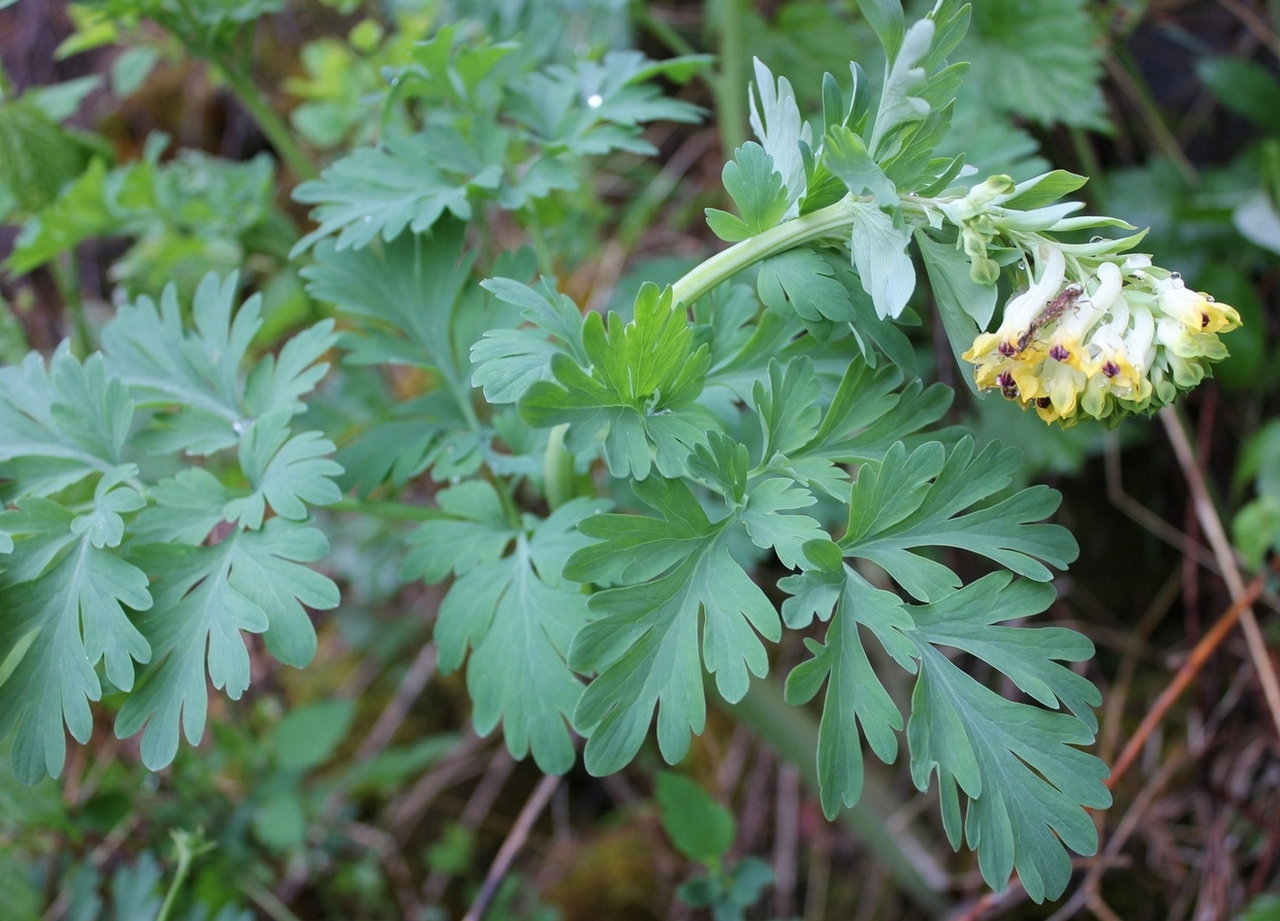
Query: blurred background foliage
point(148, 141)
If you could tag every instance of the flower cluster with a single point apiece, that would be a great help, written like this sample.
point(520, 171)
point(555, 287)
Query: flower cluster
point(1123, 340)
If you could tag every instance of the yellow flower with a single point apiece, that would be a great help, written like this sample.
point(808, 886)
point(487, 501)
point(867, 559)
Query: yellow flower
point(1124, 341)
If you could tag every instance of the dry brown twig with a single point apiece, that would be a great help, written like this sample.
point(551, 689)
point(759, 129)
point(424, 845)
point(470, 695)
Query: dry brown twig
point(1225, 555)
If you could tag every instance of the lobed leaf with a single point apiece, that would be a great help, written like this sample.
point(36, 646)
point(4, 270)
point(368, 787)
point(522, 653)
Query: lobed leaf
point(672, 574)
point(514, 611)
point(638, 393)
point(917, 500)
point(1015, 762)
point(205, 598)
point(64, 598)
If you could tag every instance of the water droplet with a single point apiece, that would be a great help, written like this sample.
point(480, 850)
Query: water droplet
point(237, 427)
point(1209, 298)
point(1022, 264)
point(1097, 239)
point(455, 480)
point(914, 194)
point(368, 218)
point(595, 100)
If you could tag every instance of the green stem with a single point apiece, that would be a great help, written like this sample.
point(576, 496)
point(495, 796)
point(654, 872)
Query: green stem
point(246, 91)
point(66, 275)
point(724, 265)
point(558, 485)
point(731, 83)
point(268, 120)
point(384, 508)
point(187, 848)
point(538, 237)
point(792, 734)
point(641, 15)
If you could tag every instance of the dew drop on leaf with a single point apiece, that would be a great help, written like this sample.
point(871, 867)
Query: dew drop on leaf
point(595, 100)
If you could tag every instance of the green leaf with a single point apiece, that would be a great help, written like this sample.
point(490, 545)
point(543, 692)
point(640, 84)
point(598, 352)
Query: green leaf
point(595, 107)
point(380, 192)
point(510, 361)
point(801, 280)
point(917, 500)
point(205, 596)
point(65, 601)
point(855, 695)
point(639, 393)
point(756, 189)
point(1025, 782)
point(1044, 67)
point(187, 507)
point(964, 305)
point(847, 156)
point(514, 610)
point(879, 246)
point(131, 69)
point(286, 474)
point(1265, 907)
point(698, 826)
point(37, 155)
point(777, 123)
point(643, 644)
point(788, 408)
point(61, 424)
point(885, 17)
point(308, 736)
point(401, 298)
point(150, 350)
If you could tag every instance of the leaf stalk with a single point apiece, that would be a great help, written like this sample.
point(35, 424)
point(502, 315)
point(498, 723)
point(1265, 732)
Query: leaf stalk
point(824, 222)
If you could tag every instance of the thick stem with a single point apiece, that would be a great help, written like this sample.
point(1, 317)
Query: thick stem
point(724, 265)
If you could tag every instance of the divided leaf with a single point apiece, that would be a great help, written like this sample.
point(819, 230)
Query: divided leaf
point(777, 123)
point(59, 424)
point(879, 247)
point(513, 609)
point(855, 695)
point(380, 192)
point(1016, 763)
point(205, 597)
point(510, 361)
point(756, 189)
point(64, 613)
point(197, 372)
point(638, 393)
point(671, 575)
point(918, 500)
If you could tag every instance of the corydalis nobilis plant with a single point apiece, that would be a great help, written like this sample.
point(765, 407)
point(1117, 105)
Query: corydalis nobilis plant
point(609, 501)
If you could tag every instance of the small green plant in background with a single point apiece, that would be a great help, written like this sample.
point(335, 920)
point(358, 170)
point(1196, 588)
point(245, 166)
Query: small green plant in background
point(703, 830)
point(602, 495)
